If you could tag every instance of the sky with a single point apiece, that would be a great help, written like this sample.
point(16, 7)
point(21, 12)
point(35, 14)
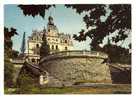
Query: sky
point(65, 19)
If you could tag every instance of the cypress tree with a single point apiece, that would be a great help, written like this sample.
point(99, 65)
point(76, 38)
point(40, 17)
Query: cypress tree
point(45, 49)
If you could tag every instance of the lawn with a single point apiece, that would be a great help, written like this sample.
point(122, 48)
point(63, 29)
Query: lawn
point(102, 89)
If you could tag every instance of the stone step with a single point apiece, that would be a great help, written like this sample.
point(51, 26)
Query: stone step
point(53, 82)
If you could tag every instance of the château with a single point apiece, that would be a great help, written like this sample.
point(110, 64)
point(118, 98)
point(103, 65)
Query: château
point(57, 41)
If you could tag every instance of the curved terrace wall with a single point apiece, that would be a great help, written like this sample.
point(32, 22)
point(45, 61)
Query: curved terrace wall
point(77, 66)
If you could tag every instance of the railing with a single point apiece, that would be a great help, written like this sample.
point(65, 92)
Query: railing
point(79, 52)
point(17, 61)
point(120, 66)
point(76, 53)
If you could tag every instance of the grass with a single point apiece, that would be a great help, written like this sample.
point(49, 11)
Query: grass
point(110, 89)
point(92, 81)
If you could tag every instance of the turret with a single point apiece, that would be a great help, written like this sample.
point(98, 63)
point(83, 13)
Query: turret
point(51, 28)
point(50, 19)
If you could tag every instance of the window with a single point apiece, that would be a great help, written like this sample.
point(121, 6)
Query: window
point(56, 47)
point(37, 45)
point(52, 47)
point(65, 41)
point(33, 60)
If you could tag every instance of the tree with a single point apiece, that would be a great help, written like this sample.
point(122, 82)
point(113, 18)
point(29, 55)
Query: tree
point(8, 73)
point(28, 78)
point(8, 54)
point(8, 34)
point(45, 48)
point(35, 10)
point(118, 19)
point(15, 54)
point(117, 54)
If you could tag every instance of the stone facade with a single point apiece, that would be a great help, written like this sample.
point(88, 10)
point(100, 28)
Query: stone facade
point(72, 69)
point(57, 41)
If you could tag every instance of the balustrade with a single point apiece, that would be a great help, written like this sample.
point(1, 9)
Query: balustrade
point(76, 53)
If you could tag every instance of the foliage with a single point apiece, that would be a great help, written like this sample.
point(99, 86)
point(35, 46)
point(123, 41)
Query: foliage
point(119, 19)
point(26, 83)
point(8, 73)
point(26, 80)
point(15, 54)
point(113, 50)
point(45, 49)
point(8, 54)
point(35, 10)
point(8, 34)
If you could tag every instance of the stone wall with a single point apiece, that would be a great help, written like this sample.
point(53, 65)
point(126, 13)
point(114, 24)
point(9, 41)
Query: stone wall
point(76, 69)
point(17, 66)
